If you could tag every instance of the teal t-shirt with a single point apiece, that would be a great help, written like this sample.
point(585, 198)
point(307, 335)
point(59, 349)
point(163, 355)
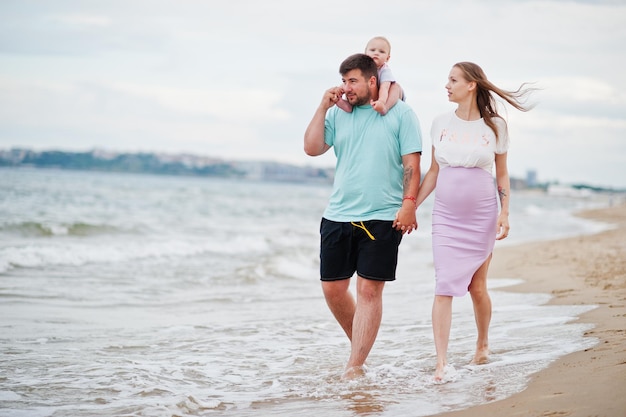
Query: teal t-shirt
point(369, 149)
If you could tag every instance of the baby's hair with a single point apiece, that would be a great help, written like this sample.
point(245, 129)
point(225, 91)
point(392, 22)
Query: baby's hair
point(379, 38)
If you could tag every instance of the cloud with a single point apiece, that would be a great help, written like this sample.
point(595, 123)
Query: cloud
point(217, 79)
point(121, 115)
point(80, 20)
point(585, 89)
point(219, 103)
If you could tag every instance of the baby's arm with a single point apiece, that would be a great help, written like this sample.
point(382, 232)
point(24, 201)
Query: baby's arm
point(388, 95)
point(383, 92)
point(380, 105)
point(393, 95)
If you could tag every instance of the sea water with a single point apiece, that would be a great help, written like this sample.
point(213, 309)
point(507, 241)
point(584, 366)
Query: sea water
point(142, 295)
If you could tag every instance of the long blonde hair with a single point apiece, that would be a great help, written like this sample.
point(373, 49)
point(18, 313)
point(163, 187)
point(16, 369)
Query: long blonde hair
point(487, 104)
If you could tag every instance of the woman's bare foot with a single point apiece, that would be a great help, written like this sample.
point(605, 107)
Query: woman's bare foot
point(440, 373)
point(445, 374)
point(353, 372)
point(481, 356)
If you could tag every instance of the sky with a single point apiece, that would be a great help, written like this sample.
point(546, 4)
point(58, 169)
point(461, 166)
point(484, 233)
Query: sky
point(241, 79)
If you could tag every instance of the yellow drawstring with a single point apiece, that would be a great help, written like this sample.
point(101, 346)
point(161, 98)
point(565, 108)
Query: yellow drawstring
point(362, 226)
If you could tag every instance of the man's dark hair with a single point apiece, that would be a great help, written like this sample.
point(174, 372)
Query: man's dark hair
point(362, 62)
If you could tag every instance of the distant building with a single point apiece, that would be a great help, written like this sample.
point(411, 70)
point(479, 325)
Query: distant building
point(517, 183)
point(531, 178)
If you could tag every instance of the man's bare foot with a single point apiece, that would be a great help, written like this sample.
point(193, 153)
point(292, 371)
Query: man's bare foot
point(481, 356)
point(353, 372)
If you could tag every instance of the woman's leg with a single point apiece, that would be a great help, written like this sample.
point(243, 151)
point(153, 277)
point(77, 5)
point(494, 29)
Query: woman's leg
point(442, 320)
point(482, 312)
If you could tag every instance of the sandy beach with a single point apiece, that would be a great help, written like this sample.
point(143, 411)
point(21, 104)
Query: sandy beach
point(588, 270)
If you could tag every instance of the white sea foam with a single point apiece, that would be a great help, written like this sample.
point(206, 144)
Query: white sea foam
point(106, 250)
point(202, 297)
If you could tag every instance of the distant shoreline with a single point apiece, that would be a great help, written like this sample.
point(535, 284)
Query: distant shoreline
point(164, 164)
point(203, 166)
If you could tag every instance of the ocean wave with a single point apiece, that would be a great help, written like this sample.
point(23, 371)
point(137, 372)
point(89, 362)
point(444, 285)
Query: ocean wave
point(47, 229)
point(44, 254)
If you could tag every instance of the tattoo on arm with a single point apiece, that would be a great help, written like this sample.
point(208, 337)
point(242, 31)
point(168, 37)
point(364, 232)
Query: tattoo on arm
point(408, 174)
point(502, 193)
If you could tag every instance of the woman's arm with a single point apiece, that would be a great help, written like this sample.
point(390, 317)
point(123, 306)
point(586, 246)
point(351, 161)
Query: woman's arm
point(503, 183)
point(430, 180)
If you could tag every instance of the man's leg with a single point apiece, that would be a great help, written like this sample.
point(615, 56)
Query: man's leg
point(341, 303)
point(367, 318)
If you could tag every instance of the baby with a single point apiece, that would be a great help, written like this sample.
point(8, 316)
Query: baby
point(379, 48)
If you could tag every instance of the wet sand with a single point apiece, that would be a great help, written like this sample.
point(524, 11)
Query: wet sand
point(589, 270)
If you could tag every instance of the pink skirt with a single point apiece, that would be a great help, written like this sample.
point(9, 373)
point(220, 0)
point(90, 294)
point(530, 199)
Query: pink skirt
point(464, 226)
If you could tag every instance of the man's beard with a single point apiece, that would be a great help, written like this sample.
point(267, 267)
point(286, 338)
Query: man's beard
point(360, 101)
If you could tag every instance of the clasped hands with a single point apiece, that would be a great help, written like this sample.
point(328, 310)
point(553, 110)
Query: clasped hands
point(405, 221)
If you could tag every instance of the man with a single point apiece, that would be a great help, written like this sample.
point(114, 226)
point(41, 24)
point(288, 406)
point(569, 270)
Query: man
point(372, 205)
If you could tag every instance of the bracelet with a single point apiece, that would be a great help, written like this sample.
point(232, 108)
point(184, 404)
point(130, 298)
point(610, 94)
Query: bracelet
point(408, 197)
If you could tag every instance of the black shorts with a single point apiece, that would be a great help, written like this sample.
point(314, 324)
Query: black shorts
point(369, 248)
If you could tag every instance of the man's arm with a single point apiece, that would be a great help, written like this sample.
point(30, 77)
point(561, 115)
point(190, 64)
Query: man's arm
point(314, 143)
point(405, 219)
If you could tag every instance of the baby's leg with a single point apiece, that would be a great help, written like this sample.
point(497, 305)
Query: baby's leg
point(344, 105)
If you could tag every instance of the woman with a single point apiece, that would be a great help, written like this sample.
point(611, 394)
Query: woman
point(467, 143)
